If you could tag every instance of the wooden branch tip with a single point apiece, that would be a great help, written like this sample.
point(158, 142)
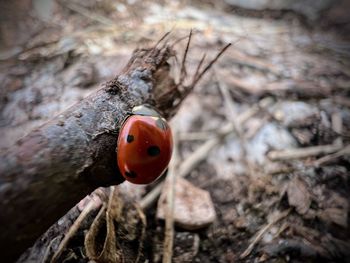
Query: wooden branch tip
point(210, 64)
point(183, 72)
point(58, 164)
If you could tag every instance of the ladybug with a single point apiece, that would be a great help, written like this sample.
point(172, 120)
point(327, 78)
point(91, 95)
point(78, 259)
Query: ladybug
point(145, 145)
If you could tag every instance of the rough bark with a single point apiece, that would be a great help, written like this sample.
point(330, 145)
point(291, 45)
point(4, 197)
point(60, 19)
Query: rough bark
point(56, 165)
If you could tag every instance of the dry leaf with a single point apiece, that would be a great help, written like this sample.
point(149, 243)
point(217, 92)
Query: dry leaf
point(298, 195)
point(112, 235)
point(333, 207)
point(335, 215)
point(110, 251)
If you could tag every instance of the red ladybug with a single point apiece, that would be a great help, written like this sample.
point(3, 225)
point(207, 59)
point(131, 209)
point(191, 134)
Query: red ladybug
point(145, 146)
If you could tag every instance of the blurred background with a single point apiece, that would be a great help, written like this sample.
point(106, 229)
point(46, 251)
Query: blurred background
point(293, 54)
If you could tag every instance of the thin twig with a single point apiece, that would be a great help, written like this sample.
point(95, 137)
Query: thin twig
point(93, 16)
point(210, 64)
point(73, 229)
point(281, 229)
point(199, 67)
point(179, 40)
point(262, 231)
point(183, 72)
point(150, 198)
point(330, 157)
point(48, 250)
point(303, 152)
point(252, 131)
point(169, 212)
point(337, 126)
point(231, 115)
point(262, 105)
point(230, 110)
point(143, 233)
point(161, 39)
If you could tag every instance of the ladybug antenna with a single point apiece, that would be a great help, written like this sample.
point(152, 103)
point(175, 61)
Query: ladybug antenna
point(198, 75)
point(183, 72)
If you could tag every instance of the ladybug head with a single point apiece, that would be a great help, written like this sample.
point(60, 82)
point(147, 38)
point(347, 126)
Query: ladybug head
point(145, 110)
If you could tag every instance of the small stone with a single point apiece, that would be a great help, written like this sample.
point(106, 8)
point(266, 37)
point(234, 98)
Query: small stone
point(193, 207)
point(299, 195)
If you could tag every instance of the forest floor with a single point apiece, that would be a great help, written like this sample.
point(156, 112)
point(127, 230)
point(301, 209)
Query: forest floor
point(279, 182)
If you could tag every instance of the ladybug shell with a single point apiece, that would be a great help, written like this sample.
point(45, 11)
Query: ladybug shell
point(144, 148)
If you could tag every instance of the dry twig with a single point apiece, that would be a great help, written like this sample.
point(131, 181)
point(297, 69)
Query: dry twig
point(262, 231)
point(330, 157)
point(198, 76)
point(74, 228)
point(169, 212)
point(88, 14)
point(303, 152)
point(231, 115)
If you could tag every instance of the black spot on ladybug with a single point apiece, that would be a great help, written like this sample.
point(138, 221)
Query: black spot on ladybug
point(130, 138)
point(161, 124)
point(153, 151)
point(131, 174)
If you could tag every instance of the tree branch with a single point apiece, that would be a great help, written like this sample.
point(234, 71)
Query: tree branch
point(56, 165)
point(48, 171)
